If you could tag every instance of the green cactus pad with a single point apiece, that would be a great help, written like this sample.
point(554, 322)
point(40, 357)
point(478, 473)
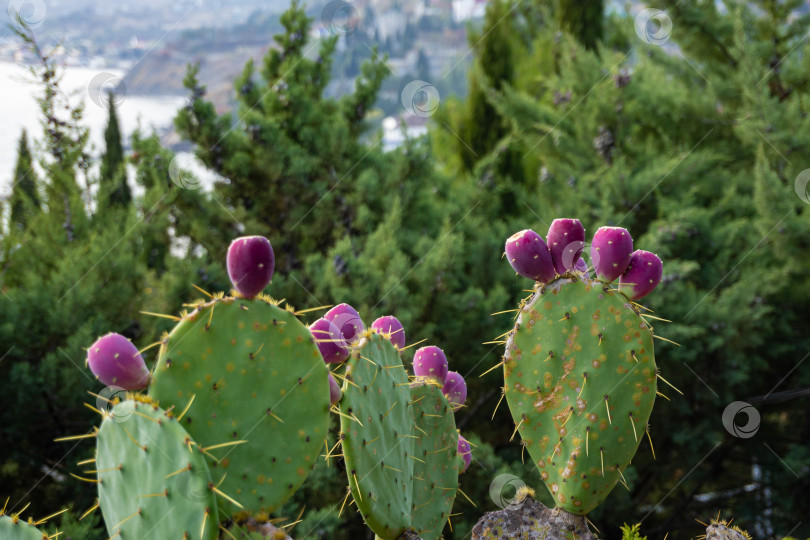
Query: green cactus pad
point(378, 430)
point(579, 348)
point(255, 375)
point(153, 480)
point(12, 528)
point(435, 475)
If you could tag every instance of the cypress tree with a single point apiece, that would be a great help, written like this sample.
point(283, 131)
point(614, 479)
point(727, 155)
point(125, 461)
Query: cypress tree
point(583, 19)
point(494, 66)
point(422, 66)
point(113, 175)
point(24, 196)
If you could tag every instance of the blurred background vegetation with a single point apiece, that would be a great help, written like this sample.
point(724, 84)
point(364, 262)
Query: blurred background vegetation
point(694, 147)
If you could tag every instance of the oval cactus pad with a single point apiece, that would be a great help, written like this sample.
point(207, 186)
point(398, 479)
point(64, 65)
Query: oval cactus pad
point(152, 479)
point(18, 529)
point(378, 430)
point(259, 396)
point(580, 380)
point(435, 473)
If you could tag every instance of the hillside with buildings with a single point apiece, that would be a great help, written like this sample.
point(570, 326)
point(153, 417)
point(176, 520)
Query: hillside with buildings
point(152, 43)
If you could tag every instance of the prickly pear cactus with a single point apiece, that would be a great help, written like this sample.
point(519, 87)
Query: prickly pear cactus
point(152, 477)
point(436, 467)
point(14, 528)
point(378, 445)
point(257, 381)
point(579, 368)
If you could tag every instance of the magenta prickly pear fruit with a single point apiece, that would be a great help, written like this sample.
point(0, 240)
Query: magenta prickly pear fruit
point(115, 361)
point(335, 393)
point(582, 268)
point(529, 256)
point(566, 239)
point(329, 340)
point(455, 390)
point(610, 252)
point(430, 363)
point(250, 264)
point(391, 327)
point(643, 274)
point(465, 452)
point(347, 320)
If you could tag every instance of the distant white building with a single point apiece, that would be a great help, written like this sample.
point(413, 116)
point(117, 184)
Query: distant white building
point(390, 24)
point(397, 130)
point(405, 65)
point(464, 10)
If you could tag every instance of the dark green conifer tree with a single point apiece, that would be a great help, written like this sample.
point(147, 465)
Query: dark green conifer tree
point(112, 180)
point(24, 194)
point(584, 19)
point(422, 66)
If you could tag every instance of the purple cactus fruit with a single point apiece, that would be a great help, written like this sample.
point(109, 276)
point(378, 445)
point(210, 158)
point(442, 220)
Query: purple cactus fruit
point(582, 268)
point(391, 326)
point(610, 252)
point(335, 393)
point(465, 452)
point(347, 320)
point(566, 239)
point(455, 390)
point(529, 256)
point(643, 274)
point(115, 361)
point(430, 363)
point(250, 264)
point(331, 344)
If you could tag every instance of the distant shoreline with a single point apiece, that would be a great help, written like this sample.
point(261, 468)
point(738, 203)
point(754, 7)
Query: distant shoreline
point(19, 109)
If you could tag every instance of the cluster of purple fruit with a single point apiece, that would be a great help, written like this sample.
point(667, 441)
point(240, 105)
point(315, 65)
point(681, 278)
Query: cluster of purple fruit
point(612, 256)
point(430, 366)
point(342, 325)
